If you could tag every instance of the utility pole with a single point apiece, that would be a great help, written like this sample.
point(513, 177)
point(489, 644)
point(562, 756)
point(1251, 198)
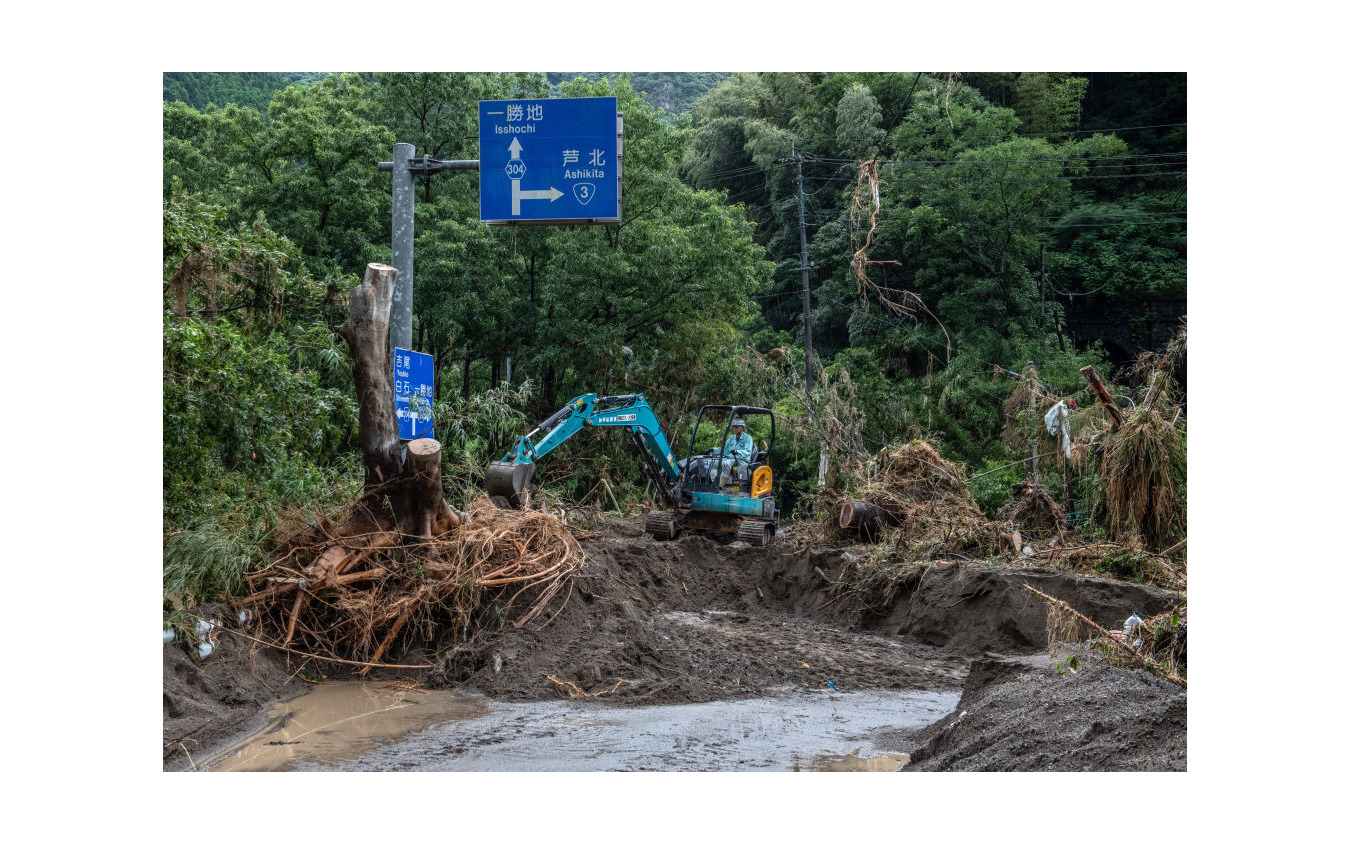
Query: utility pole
point(806, 270)
point(405, 168)
point(401, 246)
point(1029, 373)
point(806, 311)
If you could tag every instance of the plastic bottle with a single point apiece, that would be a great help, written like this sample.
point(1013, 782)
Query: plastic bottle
point(1132, 624)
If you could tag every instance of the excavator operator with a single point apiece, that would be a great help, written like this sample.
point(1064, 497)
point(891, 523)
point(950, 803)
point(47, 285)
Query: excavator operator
point(739, 445)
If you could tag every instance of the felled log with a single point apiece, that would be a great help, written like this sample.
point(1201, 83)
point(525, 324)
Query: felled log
point(863, 519)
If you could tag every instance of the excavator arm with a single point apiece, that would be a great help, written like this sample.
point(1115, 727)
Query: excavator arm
point(510, 476)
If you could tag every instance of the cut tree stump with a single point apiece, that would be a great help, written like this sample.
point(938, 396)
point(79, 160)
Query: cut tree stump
point(402, 502)
point(403, 483)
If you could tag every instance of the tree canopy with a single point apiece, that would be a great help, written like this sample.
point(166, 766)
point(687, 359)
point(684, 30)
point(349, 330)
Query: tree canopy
point(957, 227)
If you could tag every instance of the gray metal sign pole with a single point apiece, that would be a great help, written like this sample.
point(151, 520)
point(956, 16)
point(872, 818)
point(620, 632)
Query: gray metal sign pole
point(405, 167)
point(401, 240)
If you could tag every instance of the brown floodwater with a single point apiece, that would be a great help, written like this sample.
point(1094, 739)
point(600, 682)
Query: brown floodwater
point(337, 722)
point(883, 762)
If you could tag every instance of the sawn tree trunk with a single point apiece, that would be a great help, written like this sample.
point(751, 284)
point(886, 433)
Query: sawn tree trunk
point(403, 485)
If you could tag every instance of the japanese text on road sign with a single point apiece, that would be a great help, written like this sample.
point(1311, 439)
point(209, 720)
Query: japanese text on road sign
point(549, 160)
point(413, 393)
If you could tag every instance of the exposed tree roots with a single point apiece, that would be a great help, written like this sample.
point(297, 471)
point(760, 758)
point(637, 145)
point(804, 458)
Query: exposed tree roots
point(356, 592)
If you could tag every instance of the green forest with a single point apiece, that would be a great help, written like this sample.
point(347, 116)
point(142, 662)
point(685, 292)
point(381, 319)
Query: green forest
point(968, 235)
point(673, 93)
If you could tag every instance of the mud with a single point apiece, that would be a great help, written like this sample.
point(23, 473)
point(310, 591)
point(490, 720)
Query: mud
point(1099, 718)
point(209, 702)
point(651, 624)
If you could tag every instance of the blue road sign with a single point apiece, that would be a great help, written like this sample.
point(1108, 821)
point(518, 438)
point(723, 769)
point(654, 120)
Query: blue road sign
point(548, 160)
point(413, 374)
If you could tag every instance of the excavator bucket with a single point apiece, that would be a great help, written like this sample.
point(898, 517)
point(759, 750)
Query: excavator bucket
point(510, 481)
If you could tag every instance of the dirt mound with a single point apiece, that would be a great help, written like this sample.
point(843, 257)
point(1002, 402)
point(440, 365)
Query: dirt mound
point(1099, 718)
point(961, 606)
point(696, 619)
point(680, 621)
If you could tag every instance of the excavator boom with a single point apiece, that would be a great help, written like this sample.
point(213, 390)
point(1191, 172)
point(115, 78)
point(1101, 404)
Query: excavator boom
point(510, 477)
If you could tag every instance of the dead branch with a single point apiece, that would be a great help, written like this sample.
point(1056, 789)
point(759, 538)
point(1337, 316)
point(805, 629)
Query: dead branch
point(318, 656)
point(1139, 657)
point(572, 690)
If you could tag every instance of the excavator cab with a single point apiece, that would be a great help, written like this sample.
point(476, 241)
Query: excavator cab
point(723, 485)
point(714, 464)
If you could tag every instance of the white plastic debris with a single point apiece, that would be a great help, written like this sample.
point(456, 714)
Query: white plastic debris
point(1057, 422)
point(1132, 622)
point(169, 635)
point(245, 618)
point(1028, 551)
point(206, 633)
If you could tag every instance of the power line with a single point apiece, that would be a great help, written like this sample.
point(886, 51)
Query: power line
point(1100, 131)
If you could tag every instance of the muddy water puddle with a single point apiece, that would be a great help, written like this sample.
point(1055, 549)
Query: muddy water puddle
point(338, 722)
point(884, 762)
point(352, 727)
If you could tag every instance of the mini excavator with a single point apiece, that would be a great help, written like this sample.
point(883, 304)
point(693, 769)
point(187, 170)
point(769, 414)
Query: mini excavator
point(710, 492)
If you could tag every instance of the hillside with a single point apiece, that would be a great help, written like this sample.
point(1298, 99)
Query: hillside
point(673, 92)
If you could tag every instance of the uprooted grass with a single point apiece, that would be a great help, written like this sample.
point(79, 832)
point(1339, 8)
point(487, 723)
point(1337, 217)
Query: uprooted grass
point(501, 567)
point(875, 582)
point(1141, 464)
point(1139, 489)
point(928, 510)
point(1125, 560)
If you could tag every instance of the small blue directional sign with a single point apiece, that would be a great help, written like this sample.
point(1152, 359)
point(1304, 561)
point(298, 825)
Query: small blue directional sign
point(543, 161)
point(413, 374)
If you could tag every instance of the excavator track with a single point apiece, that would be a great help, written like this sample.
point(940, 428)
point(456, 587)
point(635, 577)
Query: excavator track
point(662, 525)
point(755, 532)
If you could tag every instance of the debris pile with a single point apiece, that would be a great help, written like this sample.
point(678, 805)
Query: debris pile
point(1142, 454)
point(348, 597)
point(1033, 513)
point(916, 498)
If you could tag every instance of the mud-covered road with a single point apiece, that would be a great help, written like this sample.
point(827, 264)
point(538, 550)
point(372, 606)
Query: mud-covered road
point(704, 655)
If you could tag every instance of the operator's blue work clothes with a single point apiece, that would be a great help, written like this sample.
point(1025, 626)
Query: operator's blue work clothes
point(739, 446)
